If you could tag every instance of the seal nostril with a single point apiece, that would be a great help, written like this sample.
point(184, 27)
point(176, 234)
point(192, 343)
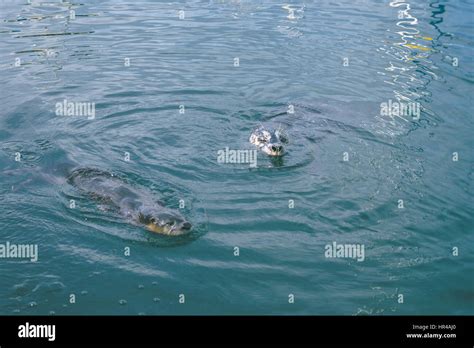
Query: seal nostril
point(187, 226)
point(277, 148)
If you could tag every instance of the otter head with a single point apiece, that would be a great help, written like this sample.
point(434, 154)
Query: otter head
point(159, 220)
point(269, 141)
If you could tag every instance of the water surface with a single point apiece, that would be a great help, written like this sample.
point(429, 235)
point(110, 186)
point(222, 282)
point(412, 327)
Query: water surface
point(333, 63)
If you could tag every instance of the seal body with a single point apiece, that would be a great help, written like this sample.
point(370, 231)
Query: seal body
point(136, 204)
point(268, 140)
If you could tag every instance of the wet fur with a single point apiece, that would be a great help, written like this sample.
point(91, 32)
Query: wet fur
point(137, 205)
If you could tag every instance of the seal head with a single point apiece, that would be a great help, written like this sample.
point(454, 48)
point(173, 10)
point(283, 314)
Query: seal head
point(163, 221)
point(268, 140)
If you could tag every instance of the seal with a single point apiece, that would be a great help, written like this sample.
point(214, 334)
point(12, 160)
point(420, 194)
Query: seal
point(135, 204)
point(269, 140)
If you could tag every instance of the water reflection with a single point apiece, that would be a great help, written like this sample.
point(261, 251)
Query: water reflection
point(42, 27)
point(295, 12)
point(409, 69)
point(438, 9)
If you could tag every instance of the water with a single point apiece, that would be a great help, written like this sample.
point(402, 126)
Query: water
point(354, 176)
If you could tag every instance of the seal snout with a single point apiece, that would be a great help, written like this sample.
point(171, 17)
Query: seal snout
point(160, 220)
point(186, 226)
point(273, 149)
point(277, 149)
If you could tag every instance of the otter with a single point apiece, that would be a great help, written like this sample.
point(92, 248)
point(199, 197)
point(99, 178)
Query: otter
point(268, 140)
point(133, 203)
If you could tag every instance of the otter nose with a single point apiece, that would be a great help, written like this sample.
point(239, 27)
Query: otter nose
point(187, 226)
point(277, 148)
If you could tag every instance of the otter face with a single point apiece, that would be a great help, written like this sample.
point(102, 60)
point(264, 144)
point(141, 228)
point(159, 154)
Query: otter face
point(165, 223)
point(269, 141)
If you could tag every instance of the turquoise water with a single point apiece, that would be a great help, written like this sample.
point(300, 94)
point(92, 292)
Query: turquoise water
point(171, 89)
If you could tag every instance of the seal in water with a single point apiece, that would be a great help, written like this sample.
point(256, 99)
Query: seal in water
point(136, 205)
point(268, 140)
